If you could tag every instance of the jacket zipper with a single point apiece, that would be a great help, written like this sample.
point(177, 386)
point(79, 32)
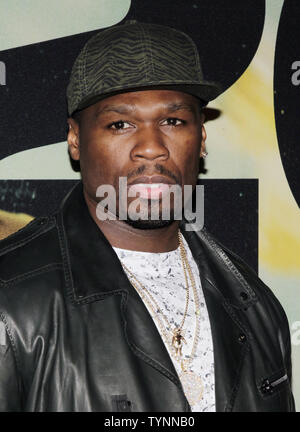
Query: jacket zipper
point(268, 386)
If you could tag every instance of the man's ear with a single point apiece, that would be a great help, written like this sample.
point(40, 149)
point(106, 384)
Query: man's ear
point(203, 151)
point(73, 139)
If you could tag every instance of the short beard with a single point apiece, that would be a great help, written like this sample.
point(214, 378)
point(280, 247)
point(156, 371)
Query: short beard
point(146, 223)
point(149, 224)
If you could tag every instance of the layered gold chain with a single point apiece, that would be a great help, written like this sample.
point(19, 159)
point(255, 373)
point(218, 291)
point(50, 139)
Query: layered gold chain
point(177, 338)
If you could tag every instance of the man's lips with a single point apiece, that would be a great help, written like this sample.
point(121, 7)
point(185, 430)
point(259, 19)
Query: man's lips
point(150, 187)
point(151, 180)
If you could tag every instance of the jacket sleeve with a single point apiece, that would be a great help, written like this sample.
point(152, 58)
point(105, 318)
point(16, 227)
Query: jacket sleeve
point(9, 380)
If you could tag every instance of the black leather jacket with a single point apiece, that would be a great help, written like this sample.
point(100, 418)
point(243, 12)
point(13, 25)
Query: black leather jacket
point(75, 335)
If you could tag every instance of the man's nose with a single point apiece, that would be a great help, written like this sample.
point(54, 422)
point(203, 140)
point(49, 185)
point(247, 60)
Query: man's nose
point(150, 143)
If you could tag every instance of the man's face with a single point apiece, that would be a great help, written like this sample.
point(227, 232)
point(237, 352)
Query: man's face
point(139, 135)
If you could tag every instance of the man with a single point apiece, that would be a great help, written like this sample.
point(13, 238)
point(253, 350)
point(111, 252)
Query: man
point(107, 313)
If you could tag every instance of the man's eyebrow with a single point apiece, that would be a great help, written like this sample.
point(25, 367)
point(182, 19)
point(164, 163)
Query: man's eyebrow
point(120, 109)
point(130, 108)
point(173, 107)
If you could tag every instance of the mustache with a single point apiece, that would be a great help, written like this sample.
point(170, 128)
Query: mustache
point(160, 169)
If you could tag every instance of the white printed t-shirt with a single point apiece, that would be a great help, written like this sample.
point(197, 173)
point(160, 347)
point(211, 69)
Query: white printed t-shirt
point(162, 275)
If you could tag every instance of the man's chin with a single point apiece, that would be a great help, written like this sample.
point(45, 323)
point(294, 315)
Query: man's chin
point(149, 224)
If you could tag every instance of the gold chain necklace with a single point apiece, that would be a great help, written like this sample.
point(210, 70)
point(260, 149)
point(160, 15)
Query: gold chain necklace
point(191, 382)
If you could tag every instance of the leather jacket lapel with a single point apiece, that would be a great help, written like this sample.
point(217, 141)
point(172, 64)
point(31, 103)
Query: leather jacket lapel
point(231, 344)
point(144, 338)
point(231, 338)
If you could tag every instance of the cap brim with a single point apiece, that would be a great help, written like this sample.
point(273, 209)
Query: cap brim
point(206, 92)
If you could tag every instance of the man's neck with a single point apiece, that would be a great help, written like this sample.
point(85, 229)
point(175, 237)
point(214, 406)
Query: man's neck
point(124, 236)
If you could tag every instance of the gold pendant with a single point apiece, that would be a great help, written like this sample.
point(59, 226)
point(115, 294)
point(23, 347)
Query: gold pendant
point(192, 385)
point(177, 340)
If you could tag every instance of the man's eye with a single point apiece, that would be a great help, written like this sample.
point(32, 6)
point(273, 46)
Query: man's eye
point(172, 121)
point(119, 125)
